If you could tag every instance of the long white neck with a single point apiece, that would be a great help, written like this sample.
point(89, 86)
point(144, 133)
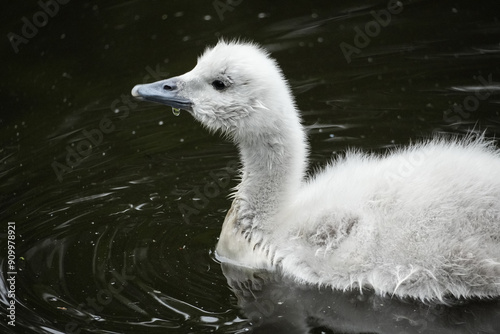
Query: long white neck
point(273, 151)
point(274, 162)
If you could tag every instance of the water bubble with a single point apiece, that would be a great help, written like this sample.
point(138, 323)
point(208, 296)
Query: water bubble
point(176, 111)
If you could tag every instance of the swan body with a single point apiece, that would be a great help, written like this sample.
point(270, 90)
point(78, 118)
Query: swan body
point(420, 222)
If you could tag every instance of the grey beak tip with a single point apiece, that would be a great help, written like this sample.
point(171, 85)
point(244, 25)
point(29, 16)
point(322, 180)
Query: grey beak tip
point(135, 91)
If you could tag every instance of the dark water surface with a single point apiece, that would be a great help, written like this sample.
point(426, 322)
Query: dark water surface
point(118, 236)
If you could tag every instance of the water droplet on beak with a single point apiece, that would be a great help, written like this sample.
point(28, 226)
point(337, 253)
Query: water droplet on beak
point(176, 111)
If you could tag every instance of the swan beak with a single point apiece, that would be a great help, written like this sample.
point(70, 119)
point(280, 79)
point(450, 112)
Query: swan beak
point(163, 92)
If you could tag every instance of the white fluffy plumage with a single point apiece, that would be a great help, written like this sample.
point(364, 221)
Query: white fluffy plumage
point(423, 221)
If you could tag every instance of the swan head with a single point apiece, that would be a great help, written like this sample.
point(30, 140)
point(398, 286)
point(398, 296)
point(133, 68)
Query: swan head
point(235, 88)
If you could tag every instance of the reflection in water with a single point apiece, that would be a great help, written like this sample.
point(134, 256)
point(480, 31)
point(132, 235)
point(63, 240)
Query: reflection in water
point(276, 304)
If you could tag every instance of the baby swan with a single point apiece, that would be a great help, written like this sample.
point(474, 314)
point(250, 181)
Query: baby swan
point(420, 222)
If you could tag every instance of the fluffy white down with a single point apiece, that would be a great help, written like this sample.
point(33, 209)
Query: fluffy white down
point(422, 222)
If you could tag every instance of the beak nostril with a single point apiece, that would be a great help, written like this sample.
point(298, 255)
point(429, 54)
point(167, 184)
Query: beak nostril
point(167, 87)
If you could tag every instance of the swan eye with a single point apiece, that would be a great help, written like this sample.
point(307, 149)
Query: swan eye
point(218, 85)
